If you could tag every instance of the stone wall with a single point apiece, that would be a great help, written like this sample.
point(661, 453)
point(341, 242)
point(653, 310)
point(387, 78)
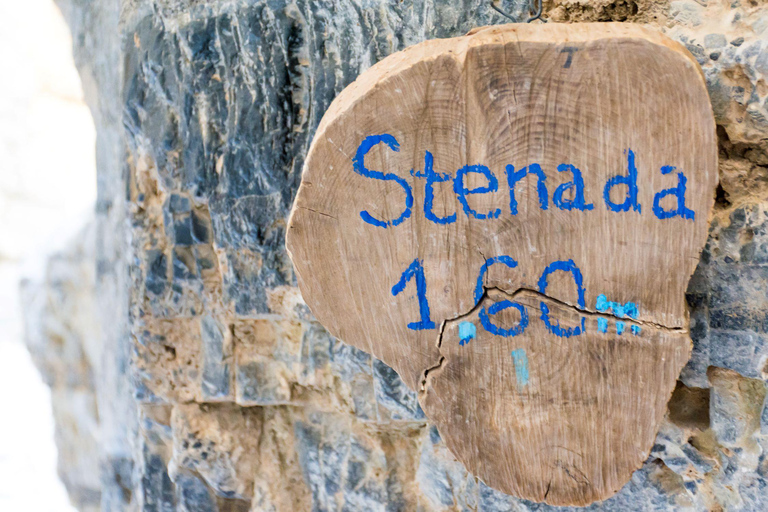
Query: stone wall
point(217, 390)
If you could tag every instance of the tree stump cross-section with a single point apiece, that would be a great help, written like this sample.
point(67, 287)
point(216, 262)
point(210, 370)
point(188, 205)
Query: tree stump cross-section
point(509, 219)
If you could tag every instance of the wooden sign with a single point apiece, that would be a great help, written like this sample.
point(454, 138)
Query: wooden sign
point(510, 219)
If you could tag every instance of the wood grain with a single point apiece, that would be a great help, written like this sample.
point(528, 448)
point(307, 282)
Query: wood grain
point(566, 407)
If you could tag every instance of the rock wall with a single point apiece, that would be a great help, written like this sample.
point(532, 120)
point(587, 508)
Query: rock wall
point(217, 391)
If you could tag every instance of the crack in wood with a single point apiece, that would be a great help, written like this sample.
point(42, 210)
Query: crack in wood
point(317, 212)
point(542, 296)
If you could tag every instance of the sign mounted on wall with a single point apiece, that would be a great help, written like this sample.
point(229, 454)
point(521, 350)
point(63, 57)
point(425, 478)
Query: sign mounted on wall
point(510, 219)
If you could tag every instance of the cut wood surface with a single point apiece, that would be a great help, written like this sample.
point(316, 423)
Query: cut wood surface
point(510, 219)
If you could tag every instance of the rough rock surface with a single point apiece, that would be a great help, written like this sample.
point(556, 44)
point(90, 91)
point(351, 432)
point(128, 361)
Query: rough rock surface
point(217, 391)
point(64, 342)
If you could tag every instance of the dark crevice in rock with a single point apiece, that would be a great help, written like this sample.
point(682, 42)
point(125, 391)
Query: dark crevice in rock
point(754, 152)
point(721, 198)
point(689, 407)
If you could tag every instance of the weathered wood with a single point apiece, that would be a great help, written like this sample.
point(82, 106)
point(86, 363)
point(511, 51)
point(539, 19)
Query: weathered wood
point(543, 324)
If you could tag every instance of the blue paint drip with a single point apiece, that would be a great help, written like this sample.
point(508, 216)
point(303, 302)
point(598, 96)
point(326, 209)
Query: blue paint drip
point(630, 181)
point(359, 168)
point(520, 359)
point(602, 325)
point(429, 192)
point(578, 202)
point(467, 332)
point(514, 176)
point(462, 191)
point(619, 327)
point(679, 192)
point(567, 266)
point(635, 329)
